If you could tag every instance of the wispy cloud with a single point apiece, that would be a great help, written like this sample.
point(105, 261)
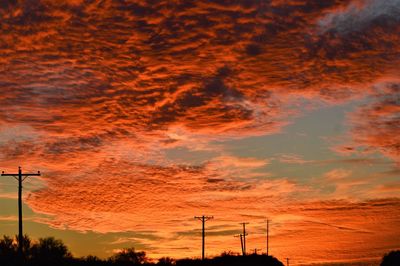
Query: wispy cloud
point(375, 125)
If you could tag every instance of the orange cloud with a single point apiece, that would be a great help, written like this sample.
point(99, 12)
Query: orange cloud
point(376, 124)
point(95, 93)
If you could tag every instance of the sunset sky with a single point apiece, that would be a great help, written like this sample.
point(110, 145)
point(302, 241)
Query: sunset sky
point(143, 114)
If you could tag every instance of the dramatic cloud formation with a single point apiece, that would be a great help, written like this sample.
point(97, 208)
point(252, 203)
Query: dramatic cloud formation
point(115, 192)
point(162, 198)
point(360, 15)
point(99, 94)
point(383, 117)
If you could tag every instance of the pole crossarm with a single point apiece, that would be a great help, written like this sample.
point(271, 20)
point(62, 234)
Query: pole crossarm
point(240, 235)
point(206, 218)
point(16, 176)
point(25, 175)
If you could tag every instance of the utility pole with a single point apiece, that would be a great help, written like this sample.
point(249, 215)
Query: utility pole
point(267, 237)
point(203, 220)
point(244, 237)
point(255, 251)
point(20, 177)
point(241, 242)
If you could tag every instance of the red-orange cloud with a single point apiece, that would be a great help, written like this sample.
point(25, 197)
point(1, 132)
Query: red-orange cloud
point(95, 92)
point(375, 125)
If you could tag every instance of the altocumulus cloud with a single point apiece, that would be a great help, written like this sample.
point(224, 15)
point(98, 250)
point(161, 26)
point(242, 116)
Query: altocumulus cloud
point(110, 85)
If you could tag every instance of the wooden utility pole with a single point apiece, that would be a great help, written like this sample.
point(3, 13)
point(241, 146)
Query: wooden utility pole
point(267, 237)
point(241, 242)
point(244, 237)
point(203, 220)
point(256, 250)
point(20, 177)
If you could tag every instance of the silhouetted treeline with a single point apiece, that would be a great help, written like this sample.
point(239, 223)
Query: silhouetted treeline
point(233, 260)
point(391, 259)
point(50, 252)
point(46, 251)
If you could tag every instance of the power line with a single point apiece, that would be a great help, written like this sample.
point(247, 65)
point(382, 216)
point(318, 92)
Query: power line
point(203, 220)
point(20, 177)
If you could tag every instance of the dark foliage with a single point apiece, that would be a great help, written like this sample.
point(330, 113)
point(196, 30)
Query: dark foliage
point(231, 260)
point(129, 256)
point(47, 251)
point(166, 261)
point(8, 251)
point(50, 251)
point(391, 259)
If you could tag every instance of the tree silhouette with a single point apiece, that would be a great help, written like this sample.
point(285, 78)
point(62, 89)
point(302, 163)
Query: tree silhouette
point(128, 256)
point(391, 259)
point(166, 261)
point(26, 244)
point(92, 261)
point(49, 251)
point(233, 260)
point(8, 251)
